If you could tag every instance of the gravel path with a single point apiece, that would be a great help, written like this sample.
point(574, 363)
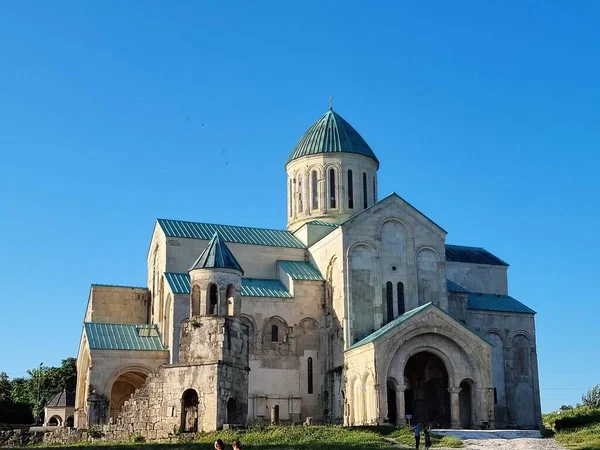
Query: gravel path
point(502, 440)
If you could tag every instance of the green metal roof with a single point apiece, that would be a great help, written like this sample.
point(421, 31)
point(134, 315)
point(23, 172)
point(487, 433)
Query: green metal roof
point(475, 255)
point(229, 233)
point(331, 134)
point(301, 270)
point(217, 255)
point(495, 302)
point(389, 326)
point(254, 287)
point(118, 336)
point(178, 282)
point(453, 287)
point(322, 223)
point(251, 287)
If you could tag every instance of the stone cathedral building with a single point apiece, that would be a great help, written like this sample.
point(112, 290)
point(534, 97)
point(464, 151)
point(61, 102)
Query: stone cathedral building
point(357, 313)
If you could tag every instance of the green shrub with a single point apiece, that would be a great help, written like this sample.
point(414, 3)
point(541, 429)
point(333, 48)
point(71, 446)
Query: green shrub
point(547, 432)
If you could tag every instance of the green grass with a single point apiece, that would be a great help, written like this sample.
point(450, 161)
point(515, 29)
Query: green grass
point(585, 437)
point(290, 438)
point(405, 436)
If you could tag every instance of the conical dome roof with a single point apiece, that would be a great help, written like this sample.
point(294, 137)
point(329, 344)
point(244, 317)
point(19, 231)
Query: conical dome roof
point(331, 134)
point(61, 400)
point(217, 255)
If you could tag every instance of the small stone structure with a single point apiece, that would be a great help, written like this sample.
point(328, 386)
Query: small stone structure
point(60, 410)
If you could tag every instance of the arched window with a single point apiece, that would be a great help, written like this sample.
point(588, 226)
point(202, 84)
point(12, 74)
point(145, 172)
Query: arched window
point(401, 307)
point(350, 191)
point(230, 300)
point(389, 294)
point(374, 192)
point(291, 198)
point(213, 298)
point(310, 375)
point(274, 333)
point(196, 300)
point(365, 199)
point(331, 188)
point(299, 193)
point(315, 190)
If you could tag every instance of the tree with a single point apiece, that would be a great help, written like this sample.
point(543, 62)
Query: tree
point(592, 397)
point(4, 387)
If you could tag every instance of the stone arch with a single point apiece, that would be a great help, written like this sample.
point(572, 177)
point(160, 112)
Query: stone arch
point(123, 383)
point(368, 400)
point(394, 263)
point(212, 299)
point(250, 329)
point(307, 335)
point(233, 412)
point(362, 290)
point(167, 323)
point(522, 371)
point(230, 295)
point(496, 338)
point(55, 421)
point(357, 401)
point(195, 300)
point(391, 386)
point(428, 277)
point(70, 421)
point(189, 411)
point(161, 299)
point(466, 402)
point(268, 334)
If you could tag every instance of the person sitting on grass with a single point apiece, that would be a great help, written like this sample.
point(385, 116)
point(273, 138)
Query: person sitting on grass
point(219, 445)
point(237, 445)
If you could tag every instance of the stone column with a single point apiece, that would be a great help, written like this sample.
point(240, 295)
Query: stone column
point(400, 405)
point(454, 407)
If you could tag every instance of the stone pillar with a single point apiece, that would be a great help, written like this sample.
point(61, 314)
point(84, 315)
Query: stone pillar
point(400, 405)
point(454, 407)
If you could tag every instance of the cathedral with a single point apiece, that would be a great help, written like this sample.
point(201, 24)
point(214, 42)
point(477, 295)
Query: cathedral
point(357, 313)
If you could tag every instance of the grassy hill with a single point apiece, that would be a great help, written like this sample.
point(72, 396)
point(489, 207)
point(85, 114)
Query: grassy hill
point(577, 428)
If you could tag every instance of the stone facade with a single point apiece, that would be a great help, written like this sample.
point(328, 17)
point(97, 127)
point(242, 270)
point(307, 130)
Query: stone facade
point(357, 313)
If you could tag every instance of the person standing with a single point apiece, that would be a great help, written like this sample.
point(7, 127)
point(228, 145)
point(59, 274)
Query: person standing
point(427, 435)
point(417, 430)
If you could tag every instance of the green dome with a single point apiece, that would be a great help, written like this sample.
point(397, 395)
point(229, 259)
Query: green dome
point(331, 134)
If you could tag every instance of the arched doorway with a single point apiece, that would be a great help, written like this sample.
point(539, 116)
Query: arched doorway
point(69, 422)
point(122, 388)
point(391, 402)
point(232, 408)
point(55, 421)
point(189, 411)
point(464, 401)
point(428, 400)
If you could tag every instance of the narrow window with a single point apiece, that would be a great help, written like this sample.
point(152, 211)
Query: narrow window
point(274, 333)
point(495, 396)
point(331, 188)
point(374, 192)
point(310, 376)
point(315, 190)
point(350, 191)
point(365, 200)
point(213, 297)
point(299, 193)
point(390, 300)
point(291, 199)
point(401, 308)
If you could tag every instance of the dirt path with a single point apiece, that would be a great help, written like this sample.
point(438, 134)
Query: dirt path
point(502, 440)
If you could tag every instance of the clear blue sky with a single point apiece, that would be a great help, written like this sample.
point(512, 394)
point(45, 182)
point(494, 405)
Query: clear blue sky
point(484, 116)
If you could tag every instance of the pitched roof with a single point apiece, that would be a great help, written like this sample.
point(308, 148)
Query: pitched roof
point(120, 336)
point(453, 287)
point(301, 270)
point(475, 255)
point(62, 400)
point(230, 233)
point(390, 325)
point(331, 134)
point(495, 302)
point(251, 287)
point(217, 255)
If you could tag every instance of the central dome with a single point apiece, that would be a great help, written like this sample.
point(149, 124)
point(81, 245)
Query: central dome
point(331, 134)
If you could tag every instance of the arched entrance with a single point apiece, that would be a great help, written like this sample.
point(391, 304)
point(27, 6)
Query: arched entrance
point(69, 422)
point(55, 421)
point(391, 401)
point(428, 400)
point(464, 401)
point(189, 411)
point(232, 408)
point(122, 388)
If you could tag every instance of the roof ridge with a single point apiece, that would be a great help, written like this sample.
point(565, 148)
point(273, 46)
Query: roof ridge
point(225, 225)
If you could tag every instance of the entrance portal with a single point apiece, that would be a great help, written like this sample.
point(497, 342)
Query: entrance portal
point(189, 415)
point(428, 379)
point(122, 388)
point(464, 401)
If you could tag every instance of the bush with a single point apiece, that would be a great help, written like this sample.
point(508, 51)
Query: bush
point(547, 432)
point(592, 397)
point(584, 418)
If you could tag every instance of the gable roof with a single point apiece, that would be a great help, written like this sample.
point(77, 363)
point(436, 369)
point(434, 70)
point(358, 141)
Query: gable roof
point(217, 255)
point(392, 195)
point(121, 336)
point(230, 233)
point(251, 287)
point(301, 270)
point(451, 286)
point(62, 400)
point(475, 255)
